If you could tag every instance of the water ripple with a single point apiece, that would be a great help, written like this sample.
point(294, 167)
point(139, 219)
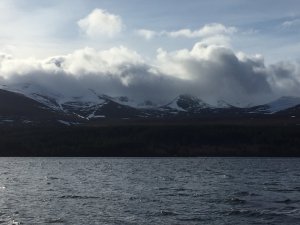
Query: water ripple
point(150, 191)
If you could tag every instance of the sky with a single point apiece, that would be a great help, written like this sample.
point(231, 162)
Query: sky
point(237, 50)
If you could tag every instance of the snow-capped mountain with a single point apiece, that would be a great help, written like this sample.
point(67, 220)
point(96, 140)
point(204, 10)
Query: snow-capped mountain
point(278, 105)
point(187, 103)
point(83, 104)
point(18, 108)
point(37, 93)
point(89, 105)
point(123, 100)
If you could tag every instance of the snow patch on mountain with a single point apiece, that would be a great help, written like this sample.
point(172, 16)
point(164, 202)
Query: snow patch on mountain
point(85, 101)
point(67, 123)
point(37, 93)
point(174, 105)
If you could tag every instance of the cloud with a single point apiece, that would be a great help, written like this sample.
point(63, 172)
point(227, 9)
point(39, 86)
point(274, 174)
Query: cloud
point(89, 61)
point(116, 71)
point(208, 71)
point(101, 23)
point(284, 78)
point(209, 30)
point(217, 72)
point(291, 23)
point(206, 31)
point(147, 34)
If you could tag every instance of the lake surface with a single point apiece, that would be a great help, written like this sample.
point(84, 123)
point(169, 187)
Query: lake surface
point(149, 191)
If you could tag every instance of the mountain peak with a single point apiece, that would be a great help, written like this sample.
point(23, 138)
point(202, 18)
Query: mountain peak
point(187, 102)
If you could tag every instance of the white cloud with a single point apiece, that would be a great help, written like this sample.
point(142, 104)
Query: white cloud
point(89, 61)
point(206, 70)
point(206, 31)
point(147, 34)
point(209, 30)
point(101, 23)
point(291, 23)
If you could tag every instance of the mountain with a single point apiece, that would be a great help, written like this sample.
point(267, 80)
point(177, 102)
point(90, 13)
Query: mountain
point(183, 106)
point(18, 108)
point(276, 106)
point(187, 103)
point(38, 93)
point(193, 107)
point(292, 112)
point(123, 100)
point(27, 103)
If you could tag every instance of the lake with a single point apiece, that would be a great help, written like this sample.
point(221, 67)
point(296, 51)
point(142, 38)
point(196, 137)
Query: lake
point(149, 191)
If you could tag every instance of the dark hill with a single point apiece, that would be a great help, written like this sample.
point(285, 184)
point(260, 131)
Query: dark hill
point(17, 107)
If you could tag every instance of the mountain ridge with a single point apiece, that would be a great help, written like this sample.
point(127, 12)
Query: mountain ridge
point(94, 107)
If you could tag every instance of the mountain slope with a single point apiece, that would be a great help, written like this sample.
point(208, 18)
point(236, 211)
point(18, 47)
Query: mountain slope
point(15, 107)
point(221, 104)
point(293, 112)
point(278, 105)
point(187, 103)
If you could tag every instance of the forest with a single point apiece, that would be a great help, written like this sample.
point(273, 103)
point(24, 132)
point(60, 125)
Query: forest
point(154, 140)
